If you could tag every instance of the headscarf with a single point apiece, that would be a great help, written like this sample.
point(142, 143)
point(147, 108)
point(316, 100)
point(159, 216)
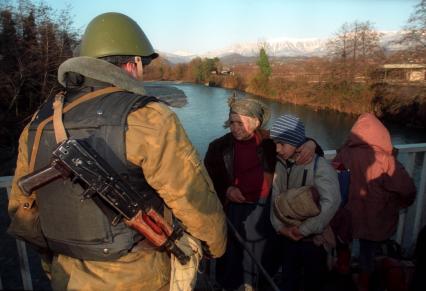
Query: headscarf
point(249, 107)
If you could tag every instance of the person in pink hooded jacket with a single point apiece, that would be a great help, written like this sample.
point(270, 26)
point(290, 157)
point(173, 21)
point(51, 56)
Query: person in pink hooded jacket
point(379, 188)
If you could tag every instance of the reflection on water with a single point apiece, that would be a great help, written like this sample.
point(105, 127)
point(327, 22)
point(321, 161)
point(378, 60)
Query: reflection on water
point(207, 109)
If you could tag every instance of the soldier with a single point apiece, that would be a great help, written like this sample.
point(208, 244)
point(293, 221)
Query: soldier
point(144, 142)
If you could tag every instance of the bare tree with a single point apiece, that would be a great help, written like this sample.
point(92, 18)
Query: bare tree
point(338, 48)
point(354, 46)
point(414, 35)
point(369, 41)
point(34, 40)
point(265, 45)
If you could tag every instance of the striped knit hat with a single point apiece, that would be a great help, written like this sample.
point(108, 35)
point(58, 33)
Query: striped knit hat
point(288, 129)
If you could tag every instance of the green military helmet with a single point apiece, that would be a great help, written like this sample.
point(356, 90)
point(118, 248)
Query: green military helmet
point(115, 34)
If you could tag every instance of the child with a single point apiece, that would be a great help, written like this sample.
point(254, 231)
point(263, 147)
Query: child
point(304, 257)
point(380, 186)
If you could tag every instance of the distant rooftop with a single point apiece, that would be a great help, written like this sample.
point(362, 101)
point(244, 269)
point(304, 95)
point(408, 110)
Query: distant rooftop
point(404, 66)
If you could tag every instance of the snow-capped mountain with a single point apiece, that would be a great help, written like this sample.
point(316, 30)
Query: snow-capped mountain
point(275, 47)
point(389, 38)
point(176, 58)
point(279, 47)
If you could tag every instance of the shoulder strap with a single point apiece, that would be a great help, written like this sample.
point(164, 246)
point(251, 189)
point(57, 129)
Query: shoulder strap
point(305, 171)
point(316, 163)
point(67, 108)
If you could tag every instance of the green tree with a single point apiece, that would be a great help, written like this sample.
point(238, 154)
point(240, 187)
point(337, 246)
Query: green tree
point(207, 66)
point(200, 69)
point(260, 83)
point(263, 64)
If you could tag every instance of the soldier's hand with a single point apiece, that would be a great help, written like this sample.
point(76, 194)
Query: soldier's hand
point(234, 194)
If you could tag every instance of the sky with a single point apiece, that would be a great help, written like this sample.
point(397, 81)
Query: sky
point(199, 26)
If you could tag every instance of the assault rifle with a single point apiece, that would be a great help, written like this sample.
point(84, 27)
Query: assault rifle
point(76, 160)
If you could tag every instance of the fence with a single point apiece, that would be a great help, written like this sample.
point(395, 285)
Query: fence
point(410, 220)
point(5, 182)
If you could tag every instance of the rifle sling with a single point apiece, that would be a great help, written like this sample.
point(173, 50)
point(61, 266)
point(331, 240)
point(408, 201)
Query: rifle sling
point(58, 124)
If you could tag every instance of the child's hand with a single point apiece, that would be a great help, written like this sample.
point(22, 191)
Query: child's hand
point(285, 231)
point(291, 232)
point(234, 194)
point(295, 233)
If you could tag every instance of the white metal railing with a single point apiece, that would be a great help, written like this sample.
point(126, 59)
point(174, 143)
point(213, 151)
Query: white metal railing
point(410, 219)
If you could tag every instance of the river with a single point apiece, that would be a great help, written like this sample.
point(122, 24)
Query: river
point(204, 115)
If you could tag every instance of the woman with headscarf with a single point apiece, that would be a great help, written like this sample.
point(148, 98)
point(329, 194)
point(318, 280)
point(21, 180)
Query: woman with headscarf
point(241, 164)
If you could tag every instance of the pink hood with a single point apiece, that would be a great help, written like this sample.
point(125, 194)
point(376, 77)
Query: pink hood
point(368, 130)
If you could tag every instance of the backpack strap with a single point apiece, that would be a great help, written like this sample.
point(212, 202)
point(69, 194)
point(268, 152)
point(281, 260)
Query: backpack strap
point(316, 163)
point(305, 173)
point(67, 108)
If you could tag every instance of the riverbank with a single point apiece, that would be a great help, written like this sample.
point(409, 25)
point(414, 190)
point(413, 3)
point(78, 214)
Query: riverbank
point(401, 103)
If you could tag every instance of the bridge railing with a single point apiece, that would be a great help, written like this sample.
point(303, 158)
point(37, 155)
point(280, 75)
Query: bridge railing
point(410, 220)
point(24, 265)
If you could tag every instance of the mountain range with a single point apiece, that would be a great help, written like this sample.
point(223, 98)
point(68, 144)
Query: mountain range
point(279, 47)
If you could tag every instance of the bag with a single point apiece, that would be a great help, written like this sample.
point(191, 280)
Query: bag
point(184, 277)
point(344, 177)
point(341, 223)
point(25, 225)
point(295, 205)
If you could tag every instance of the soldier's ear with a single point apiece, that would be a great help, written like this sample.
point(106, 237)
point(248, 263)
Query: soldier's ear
point(132, 69)
point(128, 67)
